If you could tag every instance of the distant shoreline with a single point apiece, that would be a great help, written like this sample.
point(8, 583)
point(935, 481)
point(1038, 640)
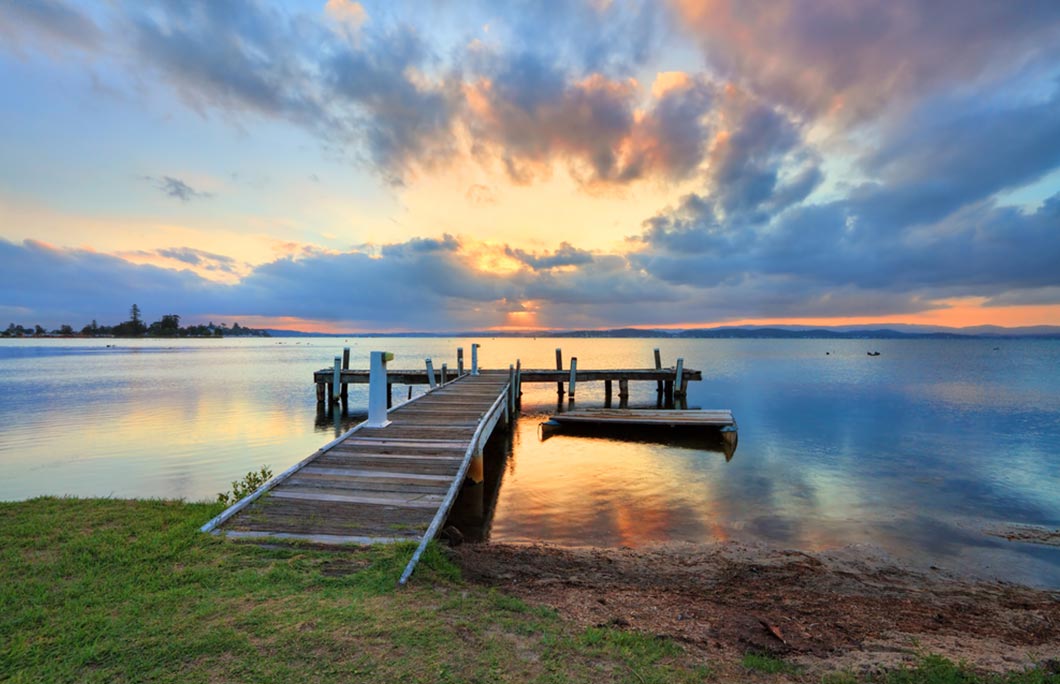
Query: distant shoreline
point(1039, 333)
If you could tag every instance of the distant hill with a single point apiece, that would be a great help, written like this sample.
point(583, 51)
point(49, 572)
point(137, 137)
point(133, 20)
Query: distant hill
point(895, 332)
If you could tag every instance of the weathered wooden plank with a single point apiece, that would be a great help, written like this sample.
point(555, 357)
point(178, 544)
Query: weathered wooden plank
point(342, 498)
point(409, 442)
point(423, 459)
point(367, 486)
point(382, 483)
point(320, 538)
point(373, 474)
point(402, 448)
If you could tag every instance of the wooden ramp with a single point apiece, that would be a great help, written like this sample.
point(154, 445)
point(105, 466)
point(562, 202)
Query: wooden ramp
point(394, 483)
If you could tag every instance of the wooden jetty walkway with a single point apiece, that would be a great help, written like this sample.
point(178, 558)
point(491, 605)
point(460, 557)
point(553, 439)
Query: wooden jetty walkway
point(395, 476)
point(381, 484)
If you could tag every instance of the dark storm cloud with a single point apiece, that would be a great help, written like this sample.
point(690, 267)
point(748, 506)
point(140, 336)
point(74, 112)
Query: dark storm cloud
point(831, 57)
point(246, 57)
point(235, 55)
point(952, 152)
point(565, 255)
point(68, 285)
point(55, 21)
point(980, 250)
point(404, 122)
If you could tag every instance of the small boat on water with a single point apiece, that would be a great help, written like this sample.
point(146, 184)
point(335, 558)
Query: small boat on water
point(873, 353)
point(715, 428)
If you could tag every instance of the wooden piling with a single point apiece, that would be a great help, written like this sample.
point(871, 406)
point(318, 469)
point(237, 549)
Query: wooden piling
point(573, 375)
point(658, 366)
point(511, 392)
point(623, 392)
point(445, 373)
point(607, 393)
point(320, 392)
point(431, 380)
point(668, 392)
point(345, 394)
point(559, 366)
point(679, 379)
point(459, 361)
point(336, 378)
point(518, 384)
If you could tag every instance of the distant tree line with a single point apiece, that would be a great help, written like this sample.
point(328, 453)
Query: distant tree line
point(168, 326)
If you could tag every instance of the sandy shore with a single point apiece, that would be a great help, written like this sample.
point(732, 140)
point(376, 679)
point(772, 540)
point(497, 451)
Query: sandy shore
point(853, 609)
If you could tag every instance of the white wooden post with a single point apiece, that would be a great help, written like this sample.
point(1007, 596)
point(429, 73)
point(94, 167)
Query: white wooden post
point(474, 358)
point(573, 375)
point(679, 374)
point(377, 389)
point(430, 373)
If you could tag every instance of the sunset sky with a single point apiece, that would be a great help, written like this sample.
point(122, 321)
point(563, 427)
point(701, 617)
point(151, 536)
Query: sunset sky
point(361, 166)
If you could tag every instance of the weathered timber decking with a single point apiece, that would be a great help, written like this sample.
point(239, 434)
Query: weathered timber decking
point(394, 483)
point(419, 377)
point(716, 418)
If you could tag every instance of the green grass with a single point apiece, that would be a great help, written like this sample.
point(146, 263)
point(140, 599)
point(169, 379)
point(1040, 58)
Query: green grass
point(130, 591)
point(759, 662)
point(933, 669)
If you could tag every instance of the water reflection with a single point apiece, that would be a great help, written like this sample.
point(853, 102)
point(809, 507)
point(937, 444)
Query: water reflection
point(915, 451)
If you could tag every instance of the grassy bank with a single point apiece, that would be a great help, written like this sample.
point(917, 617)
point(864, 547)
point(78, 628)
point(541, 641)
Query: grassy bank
point(130, 591)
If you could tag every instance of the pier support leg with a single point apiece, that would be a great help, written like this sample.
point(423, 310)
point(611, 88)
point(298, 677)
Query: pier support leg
point(511, 393)
point(336, 378)
point(680, 385)
point(559, 367)
point(331, 393)
point(518, 384)
point(345, 394)
point(607, 393)
point(476, 468)
point(320, 392)
point(658, 366)
point(668, 393)
point(445, 373)
point(573, 375)
point(459, 361)
point(390, 395)
point(623, 392)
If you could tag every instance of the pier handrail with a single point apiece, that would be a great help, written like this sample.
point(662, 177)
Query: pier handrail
point(454, 487)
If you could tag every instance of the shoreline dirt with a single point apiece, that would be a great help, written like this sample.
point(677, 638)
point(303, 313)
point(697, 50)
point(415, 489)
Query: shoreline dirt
point(852, 609)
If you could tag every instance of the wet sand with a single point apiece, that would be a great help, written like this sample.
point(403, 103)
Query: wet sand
point(853, 609)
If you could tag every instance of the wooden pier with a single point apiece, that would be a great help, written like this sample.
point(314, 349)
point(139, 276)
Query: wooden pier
point(331, 383)
point(381, 484)
point(395, 476)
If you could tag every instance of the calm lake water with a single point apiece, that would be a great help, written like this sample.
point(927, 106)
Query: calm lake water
point(916, 451)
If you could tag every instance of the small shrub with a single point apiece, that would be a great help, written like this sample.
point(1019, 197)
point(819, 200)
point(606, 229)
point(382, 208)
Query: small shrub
point(241, 488)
